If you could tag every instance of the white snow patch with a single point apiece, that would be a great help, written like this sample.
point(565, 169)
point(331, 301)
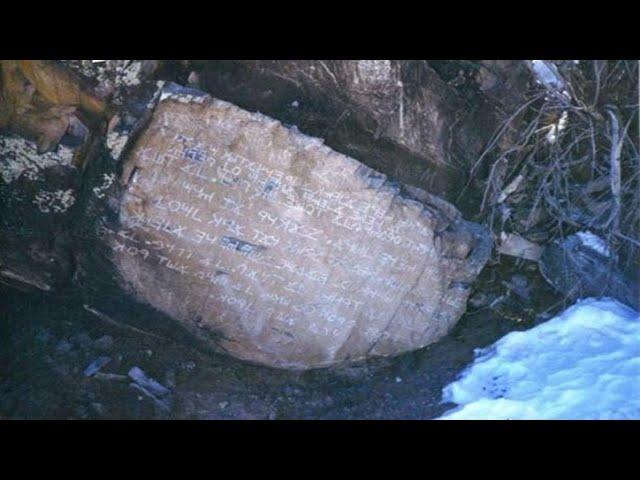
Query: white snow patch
point(582, 364)
point(594, 242)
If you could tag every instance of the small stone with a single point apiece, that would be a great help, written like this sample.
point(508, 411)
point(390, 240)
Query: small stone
point(148, 383)
point(194, 79)
point(519, 285)
point(519, 281)
point(479, 300)
point(398, 380)
point(517, 246)
point(223, 405)
point(111, 376)
point(95, 366)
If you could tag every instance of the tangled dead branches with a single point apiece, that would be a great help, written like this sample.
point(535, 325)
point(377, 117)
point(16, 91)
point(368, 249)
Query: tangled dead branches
point(567, 159)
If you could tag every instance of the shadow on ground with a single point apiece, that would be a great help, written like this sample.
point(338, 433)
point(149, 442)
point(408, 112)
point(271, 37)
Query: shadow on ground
point(48, 342)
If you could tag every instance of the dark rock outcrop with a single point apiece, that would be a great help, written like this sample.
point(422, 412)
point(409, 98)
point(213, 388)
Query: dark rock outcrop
point(423, 123)
point(52, 120)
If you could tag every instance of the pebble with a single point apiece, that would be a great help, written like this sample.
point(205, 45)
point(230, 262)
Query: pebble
point(479, 300)
point(111, 376)
point(95, 366)
point(141, 378)
point(194, 79)
point(223, 405)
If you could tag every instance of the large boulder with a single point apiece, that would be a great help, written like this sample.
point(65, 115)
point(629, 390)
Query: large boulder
point(267, 244)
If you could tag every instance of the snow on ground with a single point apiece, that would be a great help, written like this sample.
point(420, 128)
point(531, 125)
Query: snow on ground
point(582, 364)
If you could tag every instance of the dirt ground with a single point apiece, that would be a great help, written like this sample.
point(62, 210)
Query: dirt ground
point(47, 343)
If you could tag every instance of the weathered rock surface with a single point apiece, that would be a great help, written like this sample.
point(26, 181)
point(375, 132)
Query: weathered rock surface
point(43, 137)
point(42, 101)
point(50, 117)
point(271, 246)
point(424, 123)
point(37, 195)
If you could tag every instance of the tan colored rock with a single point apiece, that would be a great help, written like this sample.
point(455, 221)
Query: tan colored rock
point(279, 250)
point(517, 246)
point(42, 101)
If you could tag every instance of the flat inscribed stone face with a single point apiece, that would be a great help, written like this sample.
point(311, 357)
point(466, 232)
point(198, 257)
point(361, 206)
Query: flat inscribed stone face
point(278, 249)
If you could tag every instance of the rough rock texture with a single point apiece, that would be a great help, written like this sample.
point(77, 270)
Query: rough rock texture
point(42, 140)
point(271, 246)
point(50, 118)
point(423, 123)
point(181, 210)
point(116, 80)
point(42, 101)
point(37, 195)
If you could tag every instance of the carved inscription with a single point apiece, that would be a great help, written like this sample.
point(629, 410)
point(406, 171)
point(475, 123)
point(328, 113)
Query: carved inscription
point(298, 255)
